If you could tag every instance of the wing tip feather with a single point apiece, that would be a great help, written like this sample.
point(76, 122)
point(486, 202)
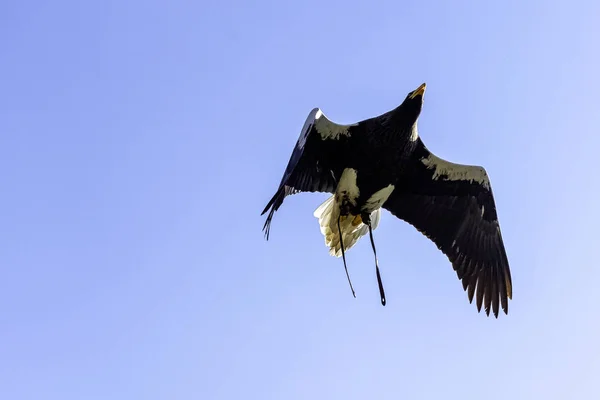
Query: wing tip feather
point(488, 285)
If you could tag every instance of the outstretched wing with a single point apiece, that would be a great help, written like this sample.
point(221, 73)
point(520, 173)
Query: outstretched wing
point(315, 162)
point(453, 205)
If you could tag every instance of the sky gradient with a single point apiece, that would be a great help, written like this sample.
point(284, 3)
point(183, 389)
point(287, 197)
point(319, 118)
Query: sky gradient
point(139, 142)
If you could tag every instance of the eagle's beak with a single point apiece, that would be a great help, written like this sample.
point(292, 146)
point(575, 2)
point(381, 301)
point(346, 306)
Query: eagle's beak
point(419, 92)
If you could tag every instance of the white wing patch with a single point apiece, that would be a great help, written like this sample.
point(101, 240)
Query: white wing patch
point(324, 127)
point(456, 172)
point(328, 129)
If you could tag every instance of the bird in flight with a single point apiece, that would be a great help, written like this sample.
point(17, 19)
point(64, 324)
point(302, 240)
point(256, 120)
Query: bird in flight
point(381, 162)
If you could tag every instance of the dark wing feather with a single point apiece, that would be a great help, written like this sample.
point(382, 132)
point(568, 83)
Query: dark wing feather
point(453, 205)
point(314, 163)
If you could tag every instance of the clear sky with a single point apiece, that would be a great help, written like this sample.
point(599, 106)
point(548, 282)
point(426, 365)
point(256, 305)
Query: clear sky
point(140, 140)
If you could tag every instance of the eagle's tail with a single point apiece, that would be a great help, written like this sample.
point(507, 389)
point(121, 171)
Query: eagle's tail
point(352, 226)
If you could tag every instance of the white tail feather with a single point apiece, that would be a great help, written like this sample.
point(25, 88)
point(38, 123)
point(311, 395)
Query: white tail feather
point(328, 213)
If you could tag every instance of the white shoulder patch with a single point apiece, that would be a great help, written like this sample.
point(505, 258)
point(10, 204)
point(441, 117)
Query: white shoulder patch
point(456, 172)
point(347, 186)
point(328, 129)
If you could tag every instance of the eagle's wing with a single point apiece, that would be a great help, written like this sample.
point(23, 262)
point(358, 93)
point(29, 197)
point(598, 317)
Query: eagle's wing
point(453, 205)
point(315, 163)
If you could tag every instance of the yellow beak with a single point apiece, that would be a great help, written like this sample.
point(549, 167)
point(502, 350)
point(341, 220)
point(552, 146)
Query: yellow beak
point(420, 91)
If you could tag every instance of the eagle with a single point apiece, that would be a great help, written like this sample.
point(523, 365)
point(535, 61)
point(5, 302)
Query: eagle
point(382, 162)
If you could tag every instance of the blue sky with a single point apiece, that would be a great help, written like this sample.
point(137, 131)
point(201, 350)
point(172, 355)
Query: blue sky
point(139, 142)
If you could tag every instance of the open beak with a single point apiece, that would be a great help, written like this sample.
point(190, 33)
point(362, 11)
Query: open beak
point(420, 91)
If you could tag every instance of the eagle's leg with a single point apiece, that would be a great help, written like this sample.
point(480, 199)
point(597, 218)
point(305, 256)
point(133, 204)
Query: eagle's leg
point(367, 220)
point(344, 254)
